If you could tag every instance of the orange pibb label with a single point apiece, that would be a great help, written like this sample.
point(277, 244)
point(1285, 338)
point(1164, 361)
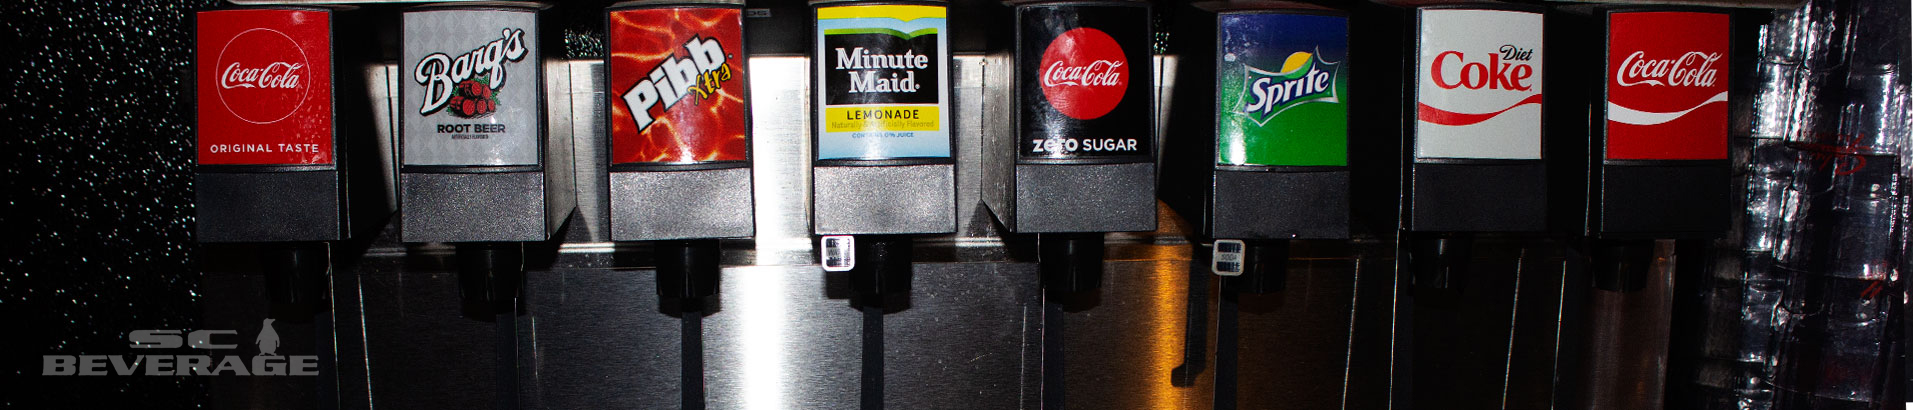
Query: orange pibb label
point(676, 85)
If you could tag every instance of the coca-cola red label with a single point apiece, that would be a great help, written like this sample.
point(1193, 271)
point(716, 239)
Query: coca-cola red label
point(1667, 86)
point(264, 87)
point(1478, 84)
point(1084, 73)
point(1076, 73)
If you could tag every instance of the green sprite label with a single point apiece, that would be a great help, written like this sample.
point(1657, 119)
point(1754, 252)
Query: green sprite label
point(1282, 89)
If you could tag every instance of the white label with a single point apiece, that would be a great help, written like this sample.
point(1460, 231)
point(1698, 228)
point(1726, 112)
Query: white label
point(1478, 85)
point(839, 253)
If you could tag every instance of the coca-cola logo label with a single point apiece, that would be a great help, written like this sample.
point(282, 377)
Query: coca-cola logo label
point(262, 64)
point(677, 82)
point(1667, 86)
point(1076, 68)
point(467, 83)
point(264, 84)
point(1084, 73)
point(1478, 84)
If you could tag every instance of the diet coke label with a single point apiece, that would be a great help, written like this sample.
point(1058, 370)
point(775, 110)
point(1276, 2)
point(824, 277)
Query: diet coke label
point(1478, 84)
point(1667, 86)
point(264, 87)
point(1077, 75)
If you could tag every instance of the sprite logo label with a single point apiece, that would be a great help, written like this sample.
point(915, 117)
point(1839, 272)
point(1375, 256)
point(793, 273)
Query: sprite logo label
point(1303, 79)
point(1281, 89)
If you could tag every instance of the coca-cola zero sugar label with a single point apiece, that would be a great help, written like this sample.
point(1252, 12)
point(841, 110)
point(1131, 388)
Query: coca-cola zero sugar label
point(264, 84)
point(470, 87)
point(1667, 86)
point(1478, 84)
point(677, 85)
point(882, 92)
point(1083, 75)
point(1282, 89)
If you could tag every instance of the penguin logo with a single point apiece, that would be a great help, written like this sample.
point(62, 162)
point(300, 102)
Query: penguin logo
point(268, 339)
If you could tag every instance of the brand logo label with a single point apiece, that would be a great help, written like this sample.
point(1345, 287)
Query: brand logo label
point(1667, 86)
point(1076, 86)
point(209, 341)
point(1478, 85)
point(1287, 107)
point(467, 83)
point(265, 87)
point(679, 83)
point(1303, 79)
point(881, 82)
point(472, 85)
point(1084, 73)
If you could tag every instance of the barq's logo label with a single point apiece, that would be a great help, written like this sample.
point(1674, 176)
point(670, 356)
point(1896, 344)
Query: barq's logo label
point(470, 80)
point(702, 73)
point(1084, 73)
point(1304, 79)
point(261, 79)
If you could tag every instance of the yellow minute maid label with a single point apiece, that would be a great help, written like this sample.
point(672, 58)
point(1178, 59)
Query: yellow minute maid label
point(886, 118)
point(882, 73)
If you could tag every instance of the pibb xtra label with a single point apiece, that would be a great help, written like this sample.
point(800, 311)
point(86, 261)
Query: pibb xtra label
point(264, 87)
point(1667, 86)
point(677, 85)
point(881, 91)
point(1282, 88)
point(1478, 85)
point(470, 86)
point(1083, 78)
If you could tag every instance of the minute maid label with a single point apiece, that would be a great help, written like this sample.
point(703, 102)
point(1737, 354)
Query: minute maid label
point(882, 93)
point(1282, 86)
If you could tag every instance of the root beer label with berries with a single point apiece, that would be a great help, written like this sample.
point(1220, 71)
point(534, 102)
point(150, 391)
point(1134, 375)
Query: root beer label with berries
point(676, 85)
point(264, 84)
point(1667, 86)
point(1282, 86)
point(1083, 79)
point(883, 72)
point(1478, 84)
point(470, 87)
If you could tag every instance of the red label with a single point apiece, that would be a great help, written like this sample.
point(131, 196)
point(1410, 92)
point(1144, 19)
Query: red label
point(677, 85)
point(1667, 86)
point(264, 87)
point(1084, 73)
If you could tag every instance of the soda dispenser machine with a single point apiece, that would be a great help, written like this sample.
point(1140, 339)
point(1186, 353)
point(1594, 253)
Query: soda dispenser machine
point(1073, 154)
point(679, 131)
point(883, 167)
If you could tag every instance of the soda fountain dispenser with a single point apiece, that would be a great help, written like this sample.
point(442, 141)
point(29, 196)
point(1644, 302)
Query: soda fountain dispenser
point(478, 167)
point(1269, 81)
point(1470, 157)
point(882, 136)
point(1642, 132)
point(679, 134)
point(280, 164)
point(1073, 155)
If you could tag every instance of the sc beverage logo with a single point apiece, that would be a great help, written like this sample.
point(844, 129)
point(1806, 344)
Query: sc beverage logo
point(268, 362)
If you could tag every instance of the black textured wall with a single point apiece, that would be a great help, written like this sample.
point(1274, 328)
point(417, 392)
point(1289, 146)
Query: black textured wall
point(97, 148)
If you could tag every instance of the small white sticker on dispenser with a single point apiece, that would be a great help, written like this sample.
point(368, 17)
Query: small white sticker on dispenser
point(839, 253)
point(1226, 259)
